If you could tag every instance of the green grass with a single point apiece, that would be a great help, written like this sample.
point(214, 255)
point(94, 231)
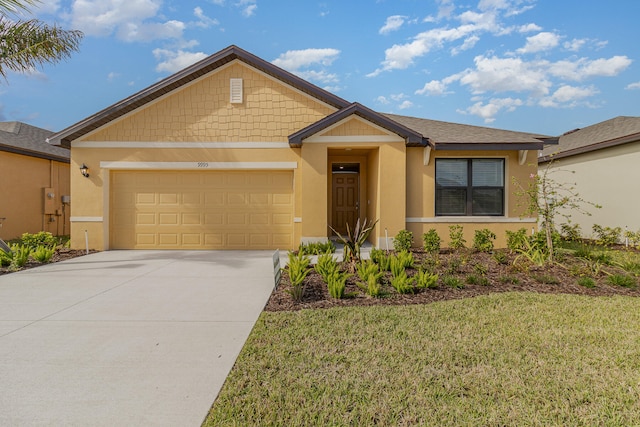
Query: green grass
point(502, 359)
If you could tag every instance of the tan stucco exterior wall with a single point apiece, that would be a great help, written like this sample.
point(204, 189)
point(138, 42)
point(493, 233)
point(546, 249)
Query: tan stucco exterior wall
point(421, 196)
point(608, 177)
point(22, 195)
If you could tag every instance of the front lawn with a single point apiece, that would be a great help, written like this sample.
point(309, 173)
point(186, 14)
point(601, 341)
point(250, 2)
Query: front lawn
point(515, 358)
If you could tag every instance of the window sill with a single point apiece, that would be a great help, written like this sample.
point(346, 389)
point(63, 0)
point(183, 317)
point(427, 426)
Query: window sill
point(471, 219)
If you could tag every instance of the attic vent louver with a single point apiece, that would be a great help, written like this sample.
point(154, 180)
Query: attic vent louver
point(236, 91)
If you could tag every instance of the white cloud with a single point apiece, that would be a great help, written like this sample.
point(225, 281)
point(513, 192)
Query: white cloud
point(296, 59)
point(469, 43)
point(217, 2)
point(489, 110)
point(584, 68)
point(382, 100)
point(529, 28)
point(112, 76)
point(540, 42)
point(248, 7)
point(397, 96)
point(393, 23)
point(405, 105)
point(433, 88)
point(173, 61)
point(128, 19)
point(568, 96)
point(633, 86)
point(318, 76)
point(575, 44)
point(445, 9)
point(493, 74)
point(203, 20)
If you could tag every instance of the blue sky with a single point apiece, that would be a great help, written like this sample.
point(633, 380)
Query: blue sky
point(544, 66)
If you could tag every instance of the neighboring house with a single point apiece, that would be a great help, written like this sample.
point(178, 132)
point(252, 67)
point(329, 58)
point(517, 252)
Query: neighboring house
point(603, 160)
point(236, 153)
point(35, 177)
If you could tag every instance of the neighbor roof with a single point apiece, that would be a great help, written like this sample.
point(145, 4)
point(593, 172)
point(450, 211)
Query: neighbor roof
point(616, 131)
point(21, 138)
point(183, 77)
point(455, 136)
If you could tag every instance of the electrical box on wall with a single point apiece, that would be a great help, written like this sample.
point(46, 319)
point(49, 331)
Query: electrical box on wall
point(49, 197)
point(66, 200)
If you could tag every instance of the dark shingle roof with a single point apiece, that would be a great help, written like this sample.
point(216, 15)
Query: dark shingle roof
point(616, 131)
point(21, 138)
point(455, 136)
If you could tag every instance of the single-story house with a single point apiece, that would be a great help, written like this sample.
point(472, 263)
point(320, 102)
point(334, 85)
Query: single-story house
point(603, 160)
point(236, 153)
point(35, 188)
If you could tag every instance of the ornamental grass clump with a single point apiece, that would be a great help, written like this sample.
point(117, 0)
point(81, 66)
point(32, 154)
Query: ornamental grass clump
point(381, 258)
point(336, 283)
point(43, 254)
point(370, 277)
point(326, 266)
point(298, 271)
point(425, 279)
point(20, 256)
point(402, 284)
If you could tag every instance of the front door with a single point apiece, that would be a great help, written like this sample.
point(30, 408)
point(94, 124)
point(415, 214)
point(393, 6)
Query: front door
point(345, 202)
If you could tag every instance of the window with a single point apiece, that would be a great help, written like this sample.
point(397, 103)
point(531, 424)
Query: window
point(469, 187)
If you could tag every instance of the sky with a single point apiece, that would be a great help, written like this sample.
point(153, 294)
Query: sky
point(541, 66)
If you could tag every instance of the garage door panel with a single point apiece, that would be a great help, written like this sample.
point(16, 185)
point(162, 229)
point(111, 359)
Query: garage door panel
point(202, 210)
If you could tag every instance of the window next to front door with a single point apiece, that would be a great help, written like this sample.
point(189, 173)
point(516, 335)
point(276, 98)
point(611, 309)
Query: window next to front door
point(469, 187)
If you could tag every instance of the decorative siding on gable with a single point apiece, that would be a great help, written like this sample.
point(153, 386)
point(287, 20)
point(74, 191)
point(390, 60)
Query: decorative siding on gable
point(354, 127)
point(201, 112)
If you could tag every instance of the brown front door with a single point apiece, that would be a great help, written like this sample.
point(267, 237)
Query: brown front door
point(345, 205)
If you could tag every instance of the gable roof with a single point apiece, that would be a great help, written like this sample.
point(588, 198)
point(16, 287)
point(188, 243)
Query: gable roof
point(21, 138)
point(455, 136)
point(183, 77)
point(411, 137)
point(617, 131)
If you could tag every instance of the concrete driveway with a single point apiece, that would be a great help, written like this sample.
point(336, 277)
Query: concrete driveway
point(126, 337)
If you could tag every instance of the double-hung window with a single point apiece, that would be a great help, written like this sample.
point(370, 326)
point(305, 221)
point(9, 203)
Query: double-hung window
point(469, 187)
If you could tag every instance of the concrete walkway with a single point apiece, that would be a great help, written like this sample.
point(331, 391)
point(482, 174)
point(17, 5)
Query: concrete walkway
point(126, 337)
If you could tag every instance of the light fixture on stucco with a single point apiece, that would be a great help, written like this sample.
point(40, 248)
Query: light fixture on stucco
point(84, 170)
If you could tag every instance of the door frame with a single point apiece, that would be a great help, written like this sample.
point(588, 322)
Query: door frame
point(346, 168)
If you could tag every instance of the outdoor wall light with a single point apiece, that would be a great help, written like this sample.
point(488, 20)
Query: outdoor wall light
point(84, 170)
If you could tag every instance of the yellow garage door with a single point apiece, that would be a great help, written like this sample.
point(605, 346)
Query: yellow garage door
point(201, 210)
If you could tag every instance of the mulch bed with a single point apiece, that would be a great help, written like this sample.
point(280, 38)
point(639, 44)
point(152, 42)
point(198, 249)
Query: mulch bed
point(528, 279)
point(61, 254)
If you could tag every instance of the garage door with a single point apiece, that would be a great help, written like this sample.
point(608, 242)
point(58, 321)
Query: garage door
point(201, 210)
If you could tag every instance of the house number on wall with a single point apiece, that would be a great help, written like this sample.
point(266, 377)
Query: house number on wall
point(203, 164)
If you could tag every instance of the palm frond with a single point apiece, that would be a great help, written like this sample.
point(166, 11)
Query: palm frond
point(25, 45)
point(14, 6)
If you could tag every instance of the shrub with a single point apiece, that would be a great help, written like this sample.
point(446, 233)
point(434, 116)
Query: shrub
point(587, 282)
point(354, 239)
point(372, 286)
point(317, 248)
point(326, 265)
point(509, 279)
point(403, 240)
point(402, 284)
point(546, 279)
point(516, 240)
point(431, 241)
point(396, 266)
point(570, 232)
point(20, 256)
point(452, 282)
point(381, 258)
point(43, 254)
point(474, 279)
point(455, 265)
point(633, 238)
point(337, 283)
point(406, 259)
point(606, 236)
point(5, 258)
point(631, 267)
point(298, 271)
point(623, 280)
point(480, 269)
point(483, 240)
point(500, 257)
point(42, 238)
point(425, 279)
point(456, 237)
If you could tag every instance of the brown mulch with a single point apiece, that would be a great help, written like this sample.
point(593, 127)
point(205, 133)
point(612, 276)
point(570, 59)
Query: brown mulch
point(528, 277)
point(61, 254)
